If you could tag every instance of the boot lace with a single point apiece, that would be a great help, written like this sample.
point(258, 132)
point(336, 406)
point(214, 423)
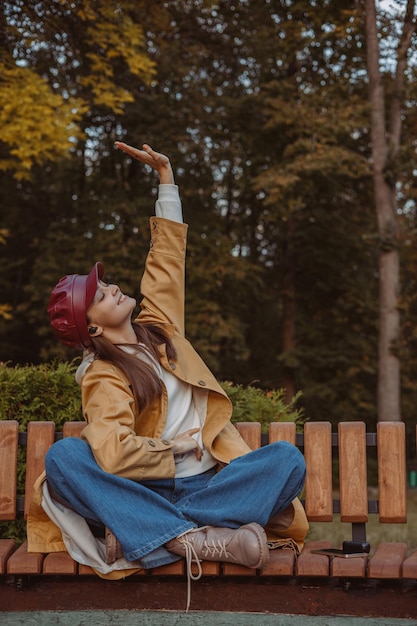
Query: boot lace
point(216, 549)
point(190, 557)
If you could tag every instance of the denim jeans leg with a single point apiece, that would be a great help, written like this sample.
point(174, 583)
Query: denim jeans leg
point(140, 517)
point(251, 488)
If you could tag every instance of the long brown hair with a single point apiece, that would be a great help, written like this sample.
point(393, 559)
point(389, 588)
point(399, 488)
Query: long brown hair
point(144, 379)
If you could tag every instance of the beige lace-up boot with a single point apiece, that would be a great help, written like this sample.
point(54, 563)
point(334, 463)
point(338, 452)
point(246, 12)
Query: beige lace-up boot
point(245, 545)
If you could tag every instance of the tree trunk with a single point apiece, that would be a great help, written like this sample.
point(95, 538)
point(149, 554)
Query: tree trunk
point(288, 314)
point(385, 148)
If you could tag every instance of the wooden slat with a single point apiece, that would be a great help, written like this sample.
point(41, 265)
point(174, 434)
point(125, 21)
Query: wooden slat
point(209, 568)
point(318, 456)
point(251, 433)
point(9, 433)
point(350, 568)
point(387, 561)
point(410, 566)
point(352, 472)
point(141, 572)
point(282, 431)
point(73, 429)
point(309, 564)
point(392, 476)
point(59, 563)
point(24, 562)
point(233, 569)
point(40, 438)
point(281, 563)
point(85, 570)
point(7, 547)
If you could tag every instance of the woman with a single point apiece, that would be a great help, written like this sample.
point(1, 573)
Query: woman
point(158, 427)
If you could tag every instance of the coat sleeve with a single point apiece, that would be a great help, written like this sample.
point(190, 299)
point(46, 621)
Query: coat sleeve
point(163, 281)
point(109, 411)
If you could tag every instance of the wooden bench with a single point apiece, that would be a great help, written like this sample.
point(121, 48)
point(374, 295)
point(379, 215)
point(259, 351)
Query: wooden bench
point(387, 561)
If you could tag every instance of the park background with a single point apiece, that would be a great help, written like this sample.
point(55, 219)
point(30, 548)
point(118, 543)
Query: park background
point(271, 113)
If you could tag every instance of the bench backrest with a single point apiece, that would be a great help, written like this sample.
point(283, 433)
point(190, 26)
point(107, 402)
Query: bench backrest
point(320, 447)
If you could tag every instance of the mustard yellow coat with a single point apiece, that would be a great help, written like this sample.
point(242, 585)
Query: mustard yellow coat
point(127, 442)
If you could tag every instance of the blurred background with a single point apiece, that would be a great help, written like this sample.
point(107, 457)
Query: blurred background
point(291, 126)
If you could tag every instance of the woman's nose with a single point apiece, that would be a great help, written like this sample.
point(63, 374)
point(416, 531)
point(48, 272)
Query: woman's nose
point(110, 287)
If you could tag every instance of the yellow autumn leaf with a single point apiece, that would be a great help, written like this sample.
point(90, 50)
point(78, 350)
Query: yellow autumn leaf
point(37, 124)
point(5, 312)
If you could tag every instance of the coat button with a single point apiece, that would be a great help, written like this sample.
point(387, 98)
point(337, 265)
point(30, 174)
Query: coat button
point(172, 366)
point(166, 442)
point(202, 383)
point(151, 443)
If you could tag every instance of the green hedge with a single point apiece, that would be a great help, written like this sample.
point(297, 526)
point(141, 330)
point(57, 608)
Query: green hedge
point(49, 392)
point(45, 392)
point(251, 404)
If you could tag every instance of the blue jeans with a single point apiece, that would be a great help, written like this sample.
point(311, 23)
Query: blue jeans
point(145, 515)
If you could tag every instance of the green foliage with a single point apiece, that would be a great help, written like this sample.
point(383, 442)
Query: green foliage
point(14, 530)
point(251, 404)
point(262, 107)
point(49, 392)
point(40, 393)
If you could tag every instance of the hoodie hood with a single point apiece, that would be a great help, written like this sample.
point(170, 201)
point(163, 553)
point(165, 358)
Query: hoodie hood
point(88, 358)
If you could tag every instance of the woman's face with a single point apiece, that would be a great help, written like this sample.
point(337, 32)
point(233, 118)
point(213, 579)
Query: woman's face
point(110, 308)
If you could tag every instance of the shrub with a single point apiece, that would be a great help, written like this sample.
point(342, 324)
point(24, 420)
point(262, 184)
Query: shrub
point(49, 392)
point(45, 392)
point(251, 404)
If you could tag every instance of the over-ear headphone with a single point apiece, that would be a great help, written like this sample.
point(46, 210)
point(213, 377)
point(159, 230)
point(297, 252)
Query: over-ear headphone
point(92, 330)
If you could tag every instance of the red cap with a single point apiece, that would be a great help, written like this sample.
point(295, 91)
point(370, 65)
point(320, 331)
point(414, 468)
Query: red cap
point(68, 307)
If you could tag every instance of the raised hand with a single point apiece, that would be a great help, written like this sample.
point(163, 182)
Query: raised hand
point(158, 161)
